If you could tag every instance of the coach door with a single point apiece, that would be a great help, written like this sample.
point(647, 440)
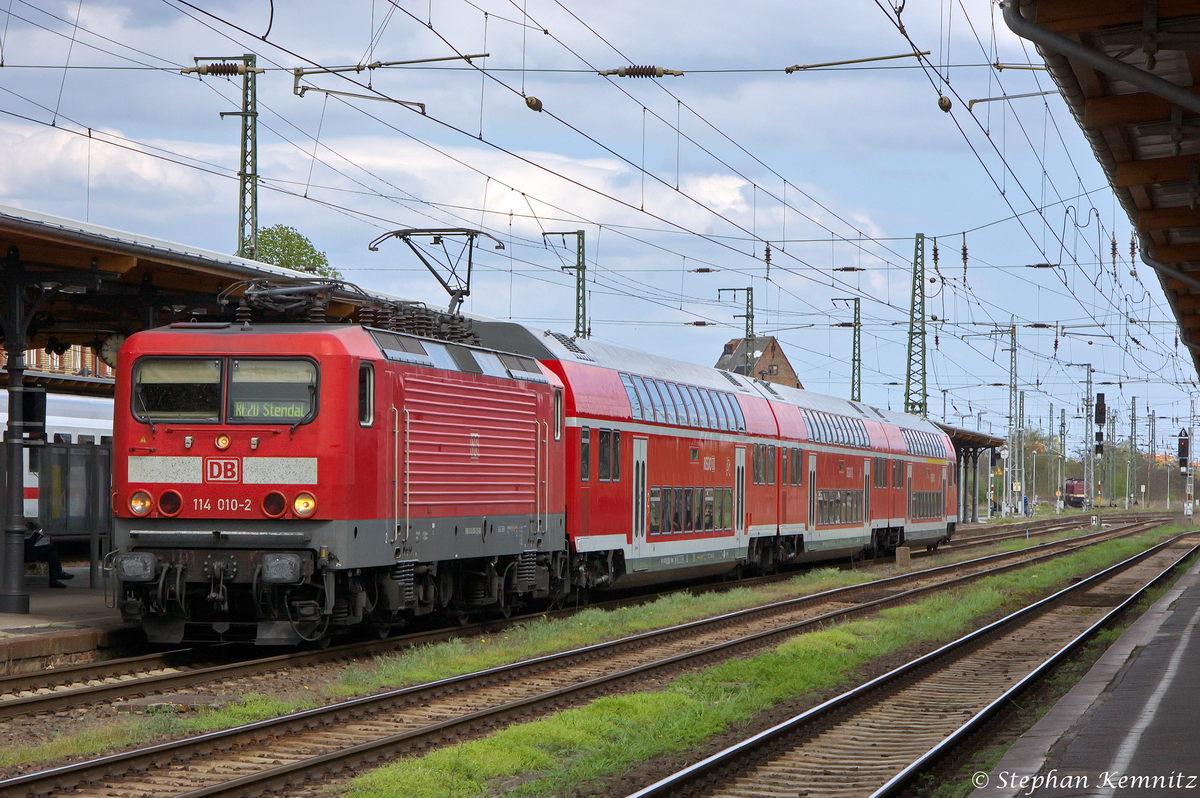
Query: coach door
point(866, 502)
point(910, 512)
point(739, 491)
point(639, 496)
point(812, 491)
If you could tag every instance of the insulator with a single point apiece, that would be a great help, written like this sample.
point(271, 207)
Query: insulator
point(384, 320)
point(316, 314)
point(243, 311)
point(366, 315)
point(640, 72)
point(223, 68)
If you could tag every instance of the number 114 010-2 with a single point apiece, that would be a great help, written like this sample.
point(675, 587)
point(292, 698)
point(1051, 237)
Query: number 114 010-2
point(222, 504)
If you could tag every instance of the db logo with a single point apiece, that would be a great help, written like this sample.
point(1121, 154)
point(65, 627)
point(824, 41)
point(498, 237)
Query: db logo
point(218, 469)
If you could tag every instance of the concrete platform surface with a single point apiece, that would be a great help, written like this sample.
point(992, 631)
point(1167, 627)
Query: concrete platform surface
point(62, 625)
point(1130, 727)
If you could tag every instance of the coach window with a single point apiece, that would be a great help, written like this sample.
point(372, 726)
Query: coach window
point(655, 510)
point(701, 412)
point(558, 414)
point(604, 456)
point(667, 403)
point(897, 473)
point(668, 498)
point(366, 394)
point(677, 512)
point(737, 411)
point(177, 389)
point(272, 391)
point(687, 510)
point(714, 421)
point(708, 509)
point(783, 465)
point(585, 453)
point(644, 399)
point(635, 404)
point(616, 455)
point(660, 409)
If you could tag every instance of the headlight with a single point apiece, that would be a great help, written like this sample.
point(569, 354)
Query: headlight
point(222, 442)
point(304, 505)
point(170, 502)
point(140, 503)
point(136, 566)
point(281, 567)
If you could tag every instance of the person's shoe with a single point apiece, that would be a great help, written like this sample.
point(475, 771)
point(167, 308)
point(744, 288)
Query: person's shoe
point(56, 583)
point(65, 575)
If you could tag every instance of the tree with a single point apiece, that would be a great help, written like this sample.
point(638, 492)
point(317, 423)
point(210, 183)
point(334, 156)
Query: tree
point(285, 246)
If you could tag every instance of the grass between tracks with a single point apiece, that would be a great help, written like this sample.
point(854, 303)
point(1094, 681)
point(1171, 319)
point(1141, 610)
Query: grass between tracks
point(565, 752)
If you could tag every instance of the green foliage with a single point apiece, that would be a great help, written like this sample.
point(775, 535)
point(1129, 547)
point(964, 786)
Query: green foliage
point(285, 246)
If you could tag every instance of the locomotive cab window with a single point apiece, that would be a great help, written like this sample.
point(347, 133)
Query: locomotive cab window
point(271, 391)
point(558, 414)
point(366, 394)
point(177, 389)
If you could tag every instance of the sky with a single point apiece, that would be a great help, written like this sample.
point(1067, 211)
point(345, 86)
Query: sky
point(680, 183)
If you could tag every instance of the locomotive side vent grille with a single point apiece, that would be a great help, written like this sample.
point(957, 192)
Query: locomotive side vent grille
point(402, 574)
point(571, 346)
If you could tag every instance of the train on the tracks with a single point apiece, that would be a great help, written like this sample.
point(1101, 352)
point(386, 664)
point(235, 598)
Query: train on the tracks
point(1075, 492)
point(282, 482)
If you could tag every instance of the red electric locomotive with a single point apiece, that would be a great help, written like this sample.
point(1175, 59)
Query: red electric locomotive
point(281, 482)
point(278, 482)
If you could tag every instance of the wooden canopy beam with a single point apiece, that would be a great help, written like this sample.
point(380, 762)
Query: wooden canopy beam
point(1071, 16)
point(1155, 170)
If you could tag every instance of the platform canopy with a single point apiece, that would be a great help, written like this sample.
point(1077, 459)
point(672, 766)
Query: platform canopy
point(1128, 70)
point(68, 283)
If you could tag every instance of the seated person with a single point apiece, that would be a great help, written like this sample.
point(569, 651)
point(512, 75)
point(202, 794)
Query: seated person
point(39, 548)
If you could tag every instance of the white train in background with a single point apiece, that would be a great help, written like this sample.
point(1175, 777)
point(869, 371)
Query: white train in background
point(66, 415)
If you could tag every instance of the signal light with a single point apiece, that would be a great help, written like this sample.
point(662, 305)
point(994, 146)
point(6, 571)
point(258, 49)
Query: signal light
point(1099, 449)
point(222, 442)
point(1101, 410)
point(1183, 451)
point(274, 504)
point(140, 503)
point(170, 503)
point(304, 505)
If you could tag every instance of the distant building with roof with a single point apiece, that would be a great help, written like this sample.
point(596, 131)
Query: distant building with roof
point(770, 363)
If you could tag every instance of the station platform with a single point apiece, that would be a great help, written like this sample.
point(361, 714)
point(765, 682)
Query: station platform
point(63, 626)
point(1130, 727)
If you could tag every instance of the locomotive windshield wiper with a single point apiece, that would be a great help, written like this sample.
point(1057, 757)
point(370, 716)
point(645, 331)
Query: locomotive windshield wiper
point(312, 400)
point(145, 410)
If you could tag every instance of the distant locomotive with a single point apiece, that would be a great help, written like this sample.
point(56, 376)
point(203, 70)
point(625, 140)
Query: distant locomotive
point(1075, 492)
point(283, 482)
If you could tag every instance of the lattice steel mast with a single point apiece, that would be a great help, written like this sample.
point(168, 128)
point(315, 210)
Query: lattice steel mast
point(916, 394)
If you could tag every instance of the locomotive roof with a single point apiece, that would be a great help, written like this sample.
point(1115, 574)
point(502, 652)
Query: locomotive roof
point(548, 345)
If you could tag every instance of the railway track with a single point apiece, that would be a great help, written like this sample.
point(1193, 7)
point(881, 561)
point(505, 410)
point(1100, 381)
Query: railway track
point(879, 738)
point(312, 744)
point(56, 689)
